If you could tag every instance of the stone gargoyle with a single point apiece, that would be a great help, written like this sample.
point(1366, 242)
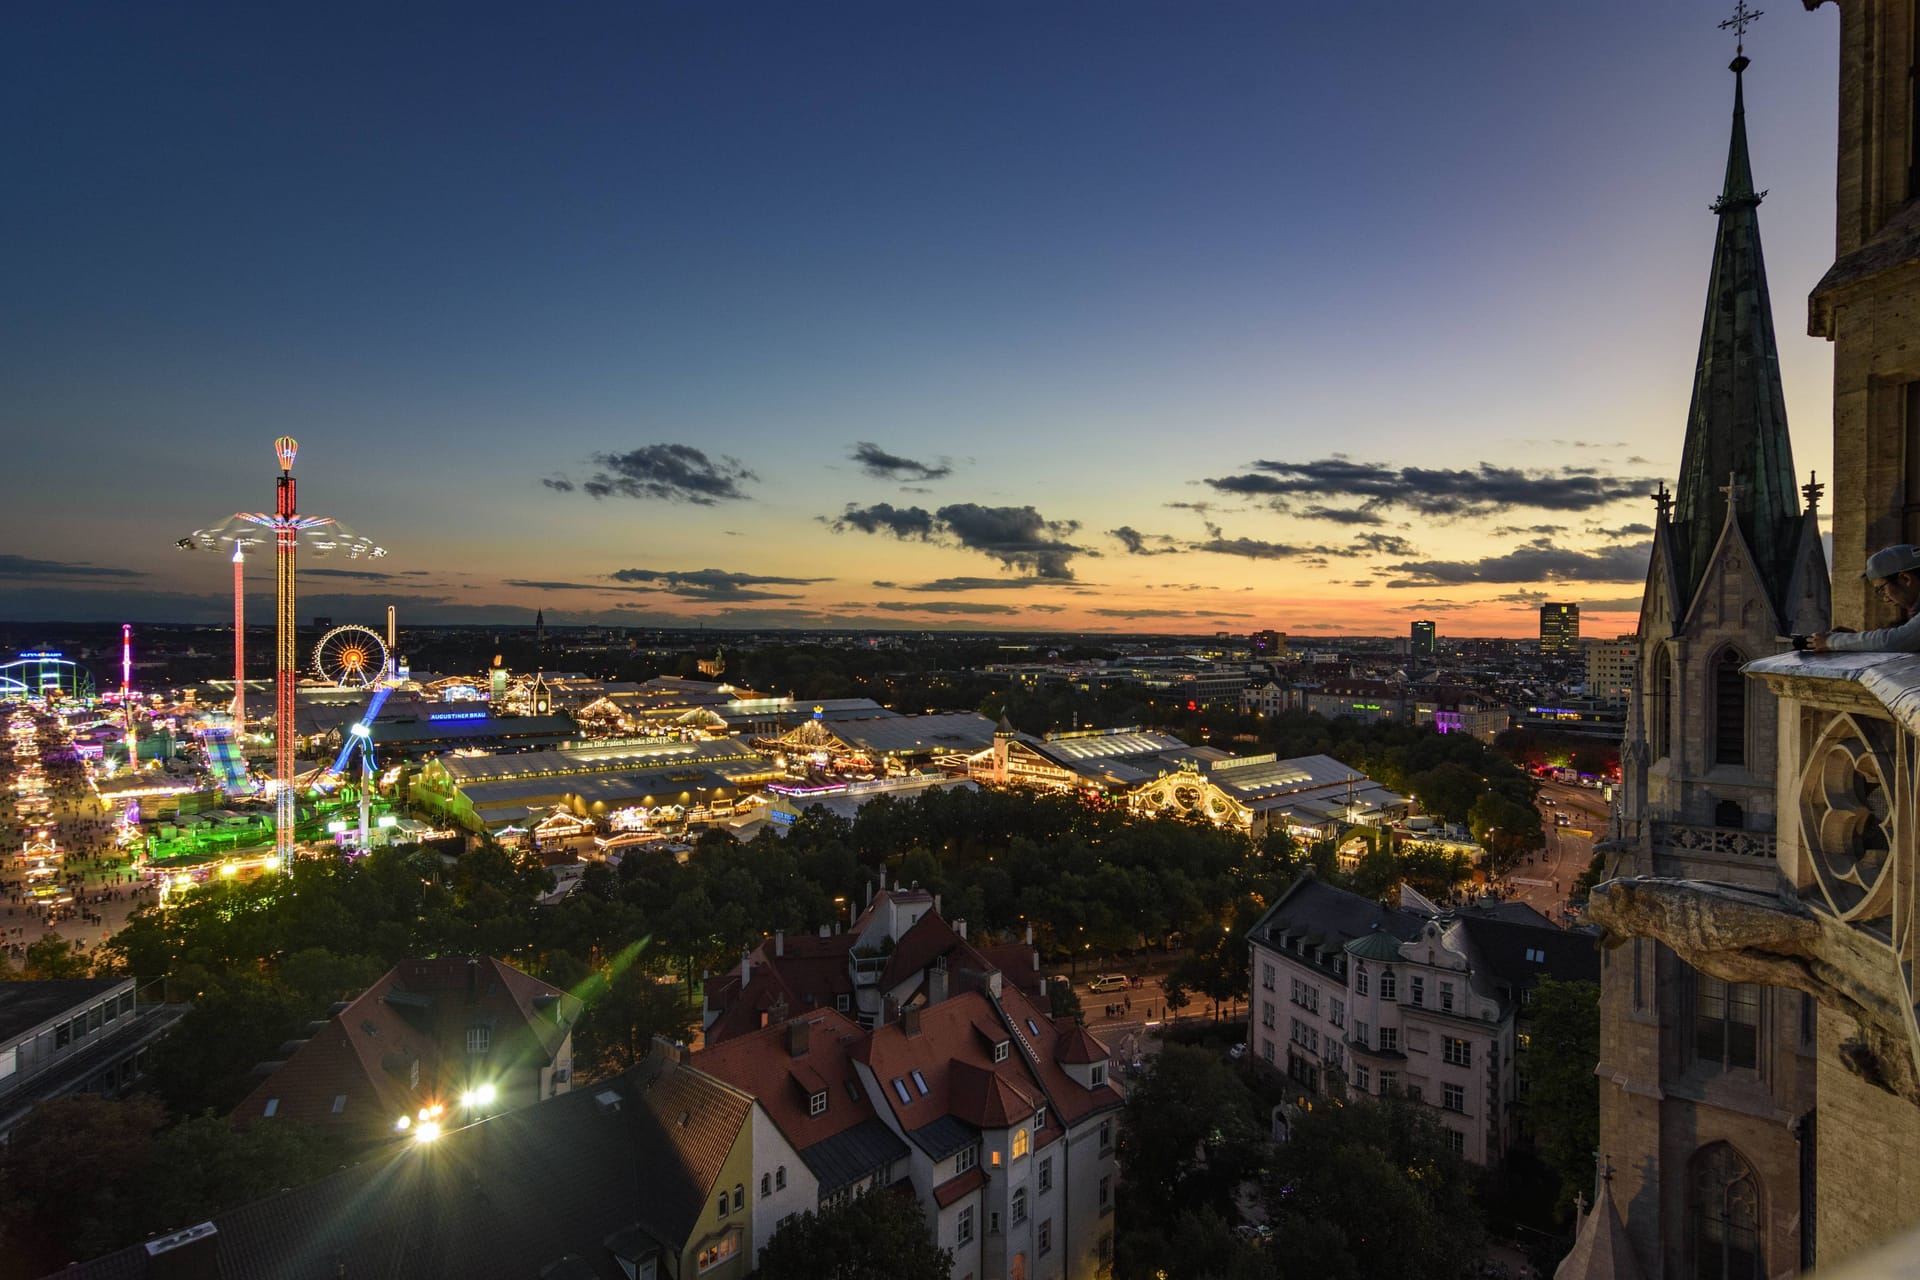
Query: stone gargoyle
point(1745, 935)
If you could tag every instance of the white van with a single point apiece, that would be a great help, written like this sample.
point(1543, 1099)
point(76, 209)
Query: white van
point(1110, 982)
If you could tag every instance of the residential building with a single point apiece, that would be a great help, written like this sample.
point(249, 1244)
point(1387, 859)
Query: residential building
point(950, 1076)
point(1423, 639)
point(1268, 644)
point(1559, 627)
point(644, 1177)
point(1451, 709)
point(73, 1035)
point(1350, 998)
point(427, 1033)
point(1610, 668)
point(1366, 700)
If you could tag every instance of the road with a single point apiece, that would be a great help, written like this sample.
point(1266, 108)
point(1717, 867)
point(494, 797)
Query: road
point(1545, 881)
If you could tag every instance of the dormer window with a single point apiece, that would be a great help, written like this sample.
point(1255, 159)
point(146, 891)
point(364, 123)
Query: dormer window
point(1040, 1119)
point(1099, 1074)
point(1000, 1050)
point(817, 1103)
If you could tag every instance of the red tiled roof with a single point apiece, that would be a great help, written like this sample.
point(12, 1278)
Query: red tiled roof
point(954, 1188)
point(1072, 1101)
point(1015, 961)
point(985, 1098)
point(1074, 1044)
point(759, 1063)
point(418, 1012)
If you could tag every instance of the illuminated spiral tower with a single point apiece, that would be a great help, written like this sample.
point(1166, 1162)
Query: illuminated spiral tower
point(322, 535)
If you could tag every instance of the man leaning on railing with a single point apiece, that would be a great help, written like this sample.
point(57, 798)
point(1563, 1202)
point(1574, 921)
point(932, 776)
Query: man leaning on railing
point(1895, 574)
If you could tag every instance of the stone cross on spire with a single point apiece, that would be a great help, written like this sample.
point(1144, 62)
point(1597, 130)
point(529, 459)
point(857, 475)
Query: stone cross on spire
point(1733, 489)
point(1663, 499)
point(1742, 18)
point(1812, 490)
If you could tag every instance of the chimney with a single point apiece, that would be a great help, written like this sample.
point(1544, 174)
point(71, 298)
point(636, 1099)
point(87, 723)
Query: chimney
point(936, 902)
point(1030, 935)
point(869, 893)
point(746, 968)
point(779, 942)
point(797, 1032)
point(910, 1020)
point(473, 979)
point(826, 930)
point(889, 1011)
point(936, 985)
point(960, 927)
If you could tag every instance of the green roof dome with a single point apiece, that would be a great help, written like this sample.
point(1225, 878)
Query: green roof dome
point(1377, 945)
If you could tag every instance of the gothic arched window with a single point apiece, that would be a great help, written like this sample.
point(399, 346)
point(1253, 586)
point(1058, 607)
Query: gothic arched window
point(1723, 1216)
point(1659, 713)
point(1729, 708)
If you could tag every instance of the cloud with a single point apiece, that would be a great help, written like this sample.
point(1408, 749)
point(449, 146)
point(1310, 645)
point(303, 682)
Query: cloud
point(664, 472)
point(1625, 531)
point(976, 584)
point(29, 569)
point(881, 465)
point(944, 606)
point(539, 585)
point(1137, 543)
point(361, 575)
point(1481, 490)
point(1515, 530)
point(1382, 544)
point(1254, 549)
point(712, 584)
point(1343, 515)
point(1537, 561)
point(884, 517)
point(1018, 537)
point(1149, 613)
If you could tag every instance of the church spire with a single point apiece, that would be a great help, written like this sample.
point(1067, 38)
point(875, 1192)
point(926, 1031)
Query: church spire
point(1737, 423)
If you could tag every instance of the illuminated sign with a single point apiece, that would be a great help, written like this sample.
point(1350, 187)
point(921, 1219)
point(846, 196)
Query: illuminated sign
point(438, 716)
point(42, 653)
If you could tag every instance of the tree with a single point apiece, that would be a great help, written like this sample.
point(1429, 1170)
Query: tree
point(879, 1235)
point(1064, 1002)
point(1370, 1189)
point(203, 1166)
point(207, 1061)
point(1563, 1094)
point(70, 1183)
point(1189, 1134)
point(54, 957)
point(625, 1011)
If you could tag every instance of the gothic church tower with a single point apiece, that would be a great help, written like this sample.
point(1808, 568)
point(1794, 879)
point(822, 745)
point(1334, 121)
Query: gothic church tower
point(1705, 1084)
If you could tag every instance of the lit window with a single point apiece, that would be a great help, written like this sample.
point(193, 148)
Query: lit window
point(1020, 1143)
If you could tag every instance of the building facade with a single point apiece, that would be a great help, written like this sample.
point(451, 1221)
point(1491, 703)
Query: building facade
point(1559, 627)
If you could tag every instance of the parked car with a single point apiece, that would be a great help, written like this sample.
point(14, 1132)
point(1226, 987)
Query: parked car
point(1109, 982)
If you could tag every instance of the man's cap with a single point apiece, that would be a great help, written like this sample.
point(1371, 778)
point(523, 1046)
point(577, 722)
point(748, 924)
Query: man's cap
point(1902, 557)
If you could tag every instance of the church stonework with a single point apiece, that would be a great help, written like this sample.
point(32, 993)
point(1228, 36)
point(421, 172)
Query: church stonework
point(1707, 1086)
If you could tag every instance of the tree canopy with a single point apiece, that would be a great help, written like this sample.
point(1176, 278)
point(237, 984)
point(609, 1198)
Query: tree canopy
point(879, 1235)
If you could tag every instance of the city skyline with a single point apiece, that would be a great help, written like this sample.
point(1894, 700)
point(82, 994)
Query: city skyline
point(1028, 318)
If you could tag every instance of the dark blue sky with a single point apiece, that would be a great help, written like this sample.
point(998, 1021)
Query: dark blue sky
point(1080, 257)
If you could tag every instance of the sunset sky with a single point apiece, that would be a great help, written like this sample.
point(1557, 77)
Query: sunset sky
point(1172, 316)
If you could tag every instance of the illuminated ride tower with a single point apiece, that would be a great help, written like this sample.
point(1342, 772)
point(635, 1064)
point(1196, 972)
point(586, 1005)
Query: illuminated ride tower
point(126, 692)
point(322, 535)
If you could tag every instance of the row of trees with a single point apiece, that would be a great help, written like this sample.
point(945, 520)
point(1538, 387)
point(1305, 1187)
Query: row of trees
point(1355, 1191)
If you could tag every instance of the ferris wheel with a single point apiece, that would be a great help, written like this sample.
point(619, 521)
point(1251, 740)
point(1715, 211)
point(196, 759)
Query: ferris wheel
point(350, 657)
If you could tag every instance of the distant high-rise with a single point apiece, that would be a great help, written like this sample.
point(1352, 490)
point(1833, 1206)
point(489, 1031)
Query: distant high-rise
point(1559, 627)
point(1269, 644)
point(1424, 639)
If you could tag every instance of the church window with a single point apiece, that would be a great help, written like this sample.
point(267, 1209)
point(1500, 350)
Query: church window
point(1729, 814)
point(1729, 709)
point(1660, 708)
point(1724, 1216)
point(1726, 1023)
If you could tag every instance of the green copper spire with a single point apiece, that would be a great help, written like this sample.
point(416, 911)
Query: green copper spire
point(1737, 423)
